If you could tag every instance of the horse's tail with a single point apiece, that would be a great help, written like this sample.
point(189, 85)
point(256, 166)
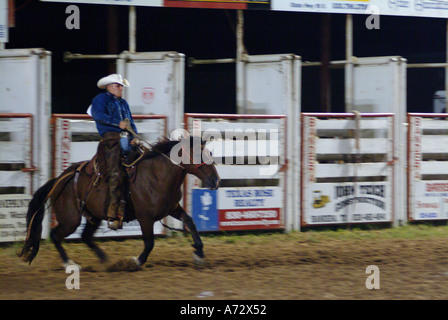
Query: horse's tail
point(34, 218)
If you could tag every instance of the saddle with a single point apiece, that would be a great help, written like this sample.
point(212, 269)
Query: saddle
point(96, 172)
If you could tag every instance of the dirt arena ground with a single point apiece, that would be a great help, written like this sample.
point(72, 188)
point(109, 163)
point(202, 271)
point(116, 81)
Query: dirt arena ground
point(306, 265)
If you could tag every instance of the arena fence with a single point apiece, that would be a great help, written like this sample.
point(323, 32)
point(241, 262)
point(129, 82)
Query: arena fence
point(428, 166)
point(347, 168)
point(250, 156)
point(16, 169)
point(76, 138)
point(348, 165)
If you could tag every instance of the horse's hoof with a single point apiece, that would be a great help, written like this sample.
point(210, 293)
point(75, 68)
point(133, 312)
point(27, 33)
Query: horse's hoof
point(136, 261)
point(70, 263)
point(198, 260)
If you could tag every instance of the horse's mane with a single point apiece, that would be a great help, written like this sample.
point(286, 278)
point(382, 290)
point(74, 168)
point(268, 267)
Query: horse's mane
point(164, 146)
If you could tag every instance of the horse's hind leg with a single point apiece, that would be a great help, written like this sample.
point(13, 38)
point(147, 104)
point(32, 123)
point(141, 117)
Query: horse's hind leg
point(180, 214)
point(57, 236)
point(87, 237)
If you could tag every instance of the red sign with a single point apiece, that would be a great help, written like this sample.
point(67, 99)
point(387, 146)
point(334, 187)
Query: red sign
point(148, 94)
point(216, 4)
point(65, 144)
point(247, 219)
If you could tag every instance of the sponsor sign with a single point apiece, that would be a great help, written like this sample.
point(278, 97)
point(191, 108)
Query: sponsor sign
point(250, 208)
point(331, 203)
point(205, 211)
point(13, 209)
point(3, 20)
point(246, 208)
point(415, 8)
point(208, 4)
point(216, 4)
point(65, 144)
point(309, 161)
point(148, 95)
point(430, 200)
point(415, 152)
point(148, 3)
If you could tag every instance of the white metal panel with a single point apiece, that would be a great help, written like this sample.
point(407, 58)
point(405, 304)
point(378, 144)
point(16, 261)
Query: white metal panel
point(435, 144)
point(434, 168)
point(379, 85)
point(13, 151)
point(84, 150)
point(14, 179)
point(434, 124)
point(346, 124)
point(428, 167)
point(157, 84)
point(267, 85)
point(328, 183)
point(244, 172)
point(346, 170)
point(25, 84)
point(68, 151)
point(348, 146)
point(223, 126)
point(272, 85)
point(250, 148)
point(18, 84)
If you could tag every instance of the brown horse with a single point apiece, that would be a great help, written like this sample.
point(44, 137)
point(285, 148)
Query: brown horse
point(154, 194)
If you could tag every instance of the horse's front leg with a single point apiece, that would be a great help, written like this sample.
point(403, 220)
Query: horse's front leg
point(148, 239)
point(180, 214)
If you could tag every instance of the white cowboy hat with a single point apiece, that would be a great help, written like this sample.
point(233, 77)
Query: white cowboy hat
point(112, 78)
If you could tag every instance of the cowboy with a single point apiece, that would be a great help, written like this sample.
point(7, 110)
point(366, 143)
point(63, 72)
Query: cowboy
point(112, 117)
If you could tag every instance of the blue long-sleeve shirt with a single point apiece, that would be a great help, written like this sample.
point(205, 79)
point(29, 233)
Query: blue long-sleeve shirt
point(108, 111)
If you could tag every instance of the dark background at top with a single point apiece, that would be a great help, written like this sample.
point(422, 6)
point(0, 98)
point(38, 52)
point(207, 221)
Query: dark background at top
point(207, 34)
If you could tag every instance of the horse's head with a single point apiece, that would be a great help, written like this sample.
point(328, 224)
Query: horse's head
point(197, 160)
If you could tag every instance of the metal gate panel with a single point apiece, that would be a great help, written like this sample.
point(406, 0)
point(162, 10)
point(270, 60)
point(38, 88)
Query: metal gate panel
point(157, 84)
point(250, 156)
point(76, 139)
point(345, 178)
point(428, 166)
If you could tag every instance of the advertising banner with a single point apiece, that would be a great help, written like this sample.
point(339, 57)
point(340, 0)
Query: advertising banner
point(331, 203)
point(247, 208)
point(428, 185)
point(413, 8)
point(205, 209)
point(13, 209)
point(3, 20)
point(216, 4)
point(148, 3)
point(208, 4)
point(430, 200)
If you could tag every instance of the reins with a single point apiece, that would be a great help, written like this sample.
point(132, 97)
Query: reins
point(129, 128)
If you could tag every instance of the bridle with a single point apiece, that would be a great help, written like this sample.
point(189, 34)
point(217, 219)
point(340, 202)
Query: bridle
point(181, 165)
point(129, 128)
